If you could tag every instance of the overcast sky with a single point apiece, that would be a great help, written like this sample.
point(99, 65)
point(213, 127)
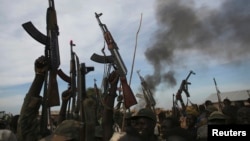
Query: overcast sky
point(176, 36)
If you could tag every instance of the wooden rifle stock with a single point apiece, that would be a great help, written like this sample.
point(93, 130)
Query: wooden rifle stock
point(53, 91)
point(128, 95)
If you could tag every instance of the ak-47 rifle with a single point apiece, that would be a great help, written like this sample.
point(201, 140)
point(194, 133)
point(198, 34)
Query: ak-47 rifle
point(218, 95)
point(148, 96)
point(118, 64)
point(183, 87)
point(51, 93)
point(73, 77)
point(74, 65)
point(147, 93)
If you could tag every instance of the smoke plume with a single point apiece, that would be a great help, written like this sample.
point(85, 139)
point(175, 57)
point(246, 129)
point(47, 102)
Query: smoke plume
point(220, 33)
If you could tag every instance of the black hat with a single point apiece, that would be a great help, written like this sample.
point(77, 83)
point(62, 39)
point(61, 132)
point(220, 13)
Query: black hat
point(145, 112)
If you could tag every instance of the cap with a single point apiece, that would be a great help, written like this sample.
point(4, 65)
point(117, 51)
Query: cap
point(145, 112)
point(67, 130)
point(216, 115)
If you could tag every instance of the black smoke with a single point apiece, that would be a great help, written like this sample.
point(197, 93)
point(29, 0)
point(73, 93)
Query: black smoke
point(220, 33)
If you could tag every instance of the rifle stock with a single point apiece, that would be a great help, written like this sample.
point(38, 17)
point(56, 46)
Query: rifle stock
point(128, 95)
point(53, 91)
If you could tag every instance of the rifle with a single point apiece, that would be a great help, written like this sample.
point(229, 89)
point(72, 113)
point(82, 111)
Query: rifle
point(148, 96)
point(51, 50)
point(118, 64)
point(51, 93)
point(183, 87)
point(218, 95)
point(73, 77)
point(74, 65)
point(85, 134)
point(147, 93)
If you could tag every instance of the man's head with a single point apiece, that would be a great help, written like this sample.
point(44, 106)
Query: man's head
point(208, 102)
point(168, 124)
point(227, 101)
point(67, 130)
point(145, 113)
point(144, 122)
point(210, 109)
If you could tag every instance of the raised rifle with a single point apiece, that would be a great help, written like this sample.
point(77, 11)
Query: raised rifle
point(51, 93)
point(73, 77)
point(147, 93)
point(73, 86)
point(51, 50)
point(183, 87)
point(118, 64)
point(218, 95)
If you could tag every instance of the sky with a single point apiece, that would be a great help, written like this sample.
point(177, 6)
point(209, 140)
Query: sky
point(175, 37)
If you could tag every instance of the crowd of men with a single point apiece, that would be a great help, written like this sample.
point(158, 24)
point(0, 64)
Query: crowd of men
point(110, 124)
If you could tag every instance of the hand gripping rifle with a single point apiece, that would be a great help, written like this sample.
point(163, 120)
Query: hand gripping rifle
point(118, 64)
point(183, 87)
point(147, 93)
point(51, 94)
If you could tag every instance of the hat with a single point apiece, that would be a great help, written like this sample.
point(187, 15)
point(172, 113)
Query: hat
point(216, 115)
point(145, 112)
point(67, 130)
